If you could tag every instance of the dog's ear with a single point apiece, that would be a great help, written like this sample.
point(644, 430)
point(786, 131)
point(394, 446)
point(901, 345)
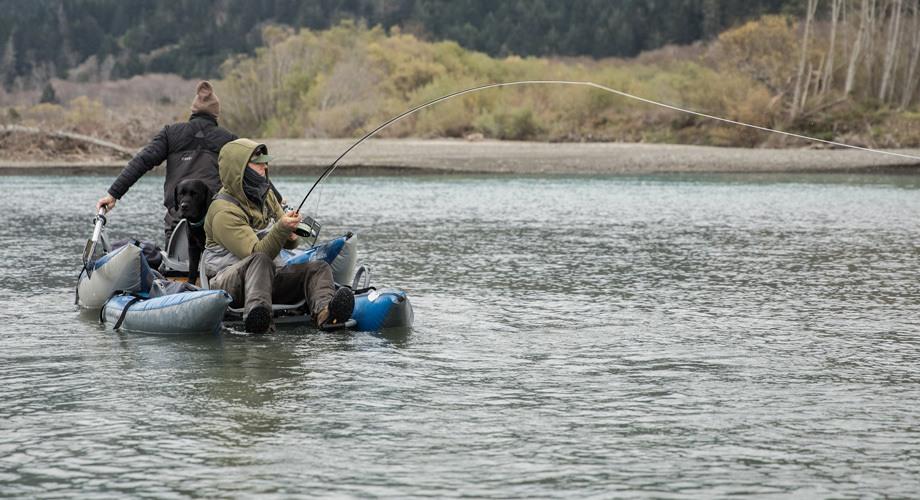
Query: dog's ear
point(176, 197)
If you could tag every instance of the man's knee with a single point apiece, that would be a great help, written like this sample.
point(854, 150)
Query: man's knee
point(260, 259)
point(317, 265)
point(260, 264)
point(308, 268)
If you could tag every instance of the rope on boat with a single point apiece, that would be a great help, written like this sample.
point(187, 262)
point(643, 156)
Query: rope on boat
point(604, 88)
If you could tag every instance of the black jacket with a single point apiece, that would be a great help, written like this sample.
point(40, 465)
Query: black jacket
point(199, 133)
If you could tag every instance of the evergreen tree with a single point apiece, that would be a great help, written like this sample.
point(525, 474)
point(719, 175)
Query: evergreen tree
point(48, 95)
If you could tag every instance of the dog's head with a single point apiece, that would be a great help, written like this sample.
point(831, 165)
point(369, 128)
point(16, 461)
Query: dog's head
point(192, 199)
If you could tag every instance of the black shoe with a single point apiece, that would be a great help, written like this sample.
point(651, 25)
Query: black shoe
point(340, 307)
point(259, 320)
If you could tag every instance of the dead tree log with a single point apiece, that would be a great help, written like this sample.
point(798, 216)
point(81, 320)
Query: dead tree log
point(60, 134)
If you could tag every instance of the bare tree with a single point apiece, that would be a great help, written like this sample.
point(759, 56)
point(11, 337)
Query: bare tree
point(910, 84)
point(891, 49)
point(858, 46)
point(872, 32)
point(828, 80)
point(798, 102)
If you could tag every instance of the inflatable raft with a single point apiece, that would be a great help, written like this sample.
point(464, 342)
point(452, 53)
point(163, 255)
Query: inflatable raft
point(123, 269)
point(133, 297)
point(377, 310)
point(187, 313)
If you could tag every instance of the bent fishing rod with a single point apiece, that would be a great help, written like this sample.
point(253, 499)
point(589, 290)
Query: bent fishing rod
point(328, 171)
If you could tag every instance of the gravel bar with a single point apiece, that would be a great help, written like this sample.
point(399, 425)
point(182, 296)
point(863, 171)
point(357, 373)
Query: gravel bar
point(454, 156)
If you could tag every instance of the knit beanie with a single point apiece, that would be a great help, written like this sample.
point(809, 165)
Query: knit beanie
point(205, 99)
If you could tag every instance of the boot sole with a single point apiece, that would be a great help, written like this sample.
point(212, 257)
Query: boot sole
point(341, 306)
point(258, 320)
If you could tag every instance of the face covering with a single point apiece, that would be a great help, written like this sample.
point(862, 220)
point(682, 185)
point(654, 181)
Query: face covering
point(254, 185)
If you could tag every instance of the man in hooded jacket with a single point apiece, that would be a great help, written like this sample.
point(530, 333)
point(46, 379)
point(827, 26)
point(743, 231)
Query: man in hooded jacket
point(246, 229)
point(189, 149)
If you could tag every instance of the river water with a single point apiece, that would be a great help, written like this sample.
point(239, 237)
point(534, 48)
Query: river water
point(682, 336)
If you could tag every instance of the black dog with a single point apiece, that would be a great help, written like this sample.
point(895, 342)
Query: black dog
point(193, 197)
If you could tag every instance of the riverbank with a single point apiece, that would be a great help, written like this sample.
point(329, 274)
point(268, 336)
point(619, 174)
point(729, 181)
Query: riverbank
point(451, 156)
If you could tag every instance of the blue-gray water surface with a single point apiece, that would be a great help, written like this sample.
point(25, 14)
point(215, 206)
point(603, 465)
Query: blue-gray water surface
point(675, 336)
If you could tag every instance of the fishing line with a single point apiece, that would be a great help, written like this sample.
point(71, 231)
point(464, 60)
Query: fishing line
point(620, 93)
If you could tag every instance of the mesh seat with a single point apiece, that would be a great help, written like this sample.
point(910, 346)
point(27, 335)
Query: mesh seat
point(176, 256)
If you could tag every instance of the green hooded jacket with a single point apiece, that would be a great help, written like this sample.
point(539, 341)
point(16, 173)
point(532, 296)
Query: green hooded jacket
point(233, 228)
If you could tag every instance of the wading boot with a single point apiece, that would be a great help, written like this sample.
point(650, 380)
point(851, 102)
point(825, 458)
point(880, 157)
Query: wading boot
point(259, 320)
point(337, 311)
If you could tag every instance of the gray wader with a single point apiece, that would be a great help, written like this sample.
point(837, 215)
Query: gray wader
point(255, 281)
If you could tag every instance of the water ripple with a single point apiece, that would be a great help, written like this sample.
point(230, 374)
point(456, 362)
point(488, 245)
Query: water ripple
point(667, 337)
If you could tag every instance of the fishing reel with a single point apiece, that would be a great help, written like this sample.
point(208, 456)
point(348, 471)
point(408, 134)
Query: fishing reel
point(308, 229)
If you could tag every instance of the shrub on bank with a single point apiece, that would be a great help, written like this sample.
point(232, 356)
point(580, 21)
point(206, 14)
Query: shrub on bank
point(346, 80)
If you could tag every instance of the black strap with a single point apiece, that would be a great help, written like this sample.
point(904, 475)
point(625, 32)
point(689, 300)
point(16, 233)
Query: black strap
point(232, 199)
point(115, 293)
point(271, 185)
point(228, 197)
point(124, 312)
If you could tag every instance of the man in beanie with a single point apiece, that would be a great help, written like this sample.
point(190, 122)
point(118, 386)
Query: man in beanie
point(190, 150)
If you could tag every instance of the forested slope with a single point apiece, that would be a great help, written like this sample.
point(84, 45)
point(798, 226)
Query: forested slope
point(107, 39)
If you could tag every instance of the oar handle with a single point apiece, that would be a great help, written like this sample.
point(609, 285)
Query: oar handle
point(90, 250)
point(100, 222)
